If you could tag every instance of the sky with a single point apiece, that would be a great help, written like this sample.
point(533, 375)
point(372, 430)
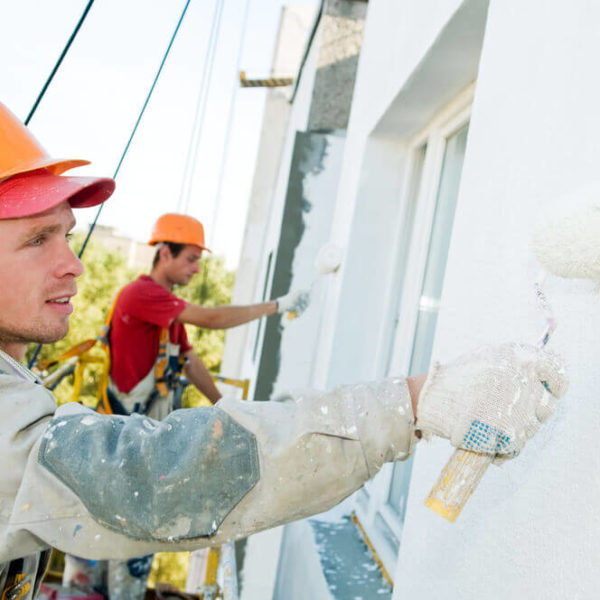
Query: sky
point(94, 100)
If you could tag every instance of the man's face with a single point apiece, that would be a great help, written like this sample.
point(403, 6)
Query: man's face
point(184, 266)
point(37, 271)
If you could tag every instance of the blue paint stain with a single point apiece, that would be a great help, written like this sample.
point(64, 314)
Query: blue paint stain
point(77, 528)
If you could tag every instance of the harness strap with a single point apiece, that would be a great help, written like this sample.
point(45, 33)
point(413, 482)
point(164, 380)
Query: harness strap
point(105, 405)
point(161, 364)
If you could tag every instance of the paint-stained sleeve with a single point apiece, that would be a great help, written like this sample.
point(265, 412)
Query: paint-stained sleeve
point(102, 486)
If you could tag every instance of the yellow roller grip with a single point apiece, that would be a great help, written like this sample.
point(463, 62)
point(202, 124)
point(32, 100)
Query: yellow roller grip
point(456, 483)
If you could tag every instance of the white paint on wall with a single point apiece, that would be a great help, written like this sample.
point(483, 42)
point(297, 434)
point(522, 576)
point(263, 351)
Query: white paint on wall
point(297, 362)
point(299, 557)
point(530, 530)
point(260, 564)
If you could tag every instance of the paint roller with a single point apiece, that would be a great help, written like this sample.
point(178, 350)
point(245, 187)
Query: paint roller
point(328, 260)
point(566, 243)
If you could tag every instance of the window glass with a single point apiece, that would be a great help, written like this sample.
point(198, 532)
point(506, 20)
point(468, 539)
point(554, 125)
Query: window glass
point(429, 303)
point(437, 257)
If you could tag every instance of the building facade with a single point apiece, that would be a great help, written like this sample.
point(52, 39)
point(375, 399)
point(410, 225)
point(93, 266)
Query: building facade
point(456, 124)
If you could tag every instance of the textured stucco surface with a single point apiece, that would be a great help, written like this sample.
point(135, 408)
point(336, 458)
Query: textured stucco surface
point(531, 529)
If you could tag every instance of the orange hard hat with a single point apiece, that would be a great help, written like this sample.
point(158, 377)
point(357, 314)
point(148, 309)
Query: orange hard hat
point(31, 182)
point(20, 152)
point(180, 229)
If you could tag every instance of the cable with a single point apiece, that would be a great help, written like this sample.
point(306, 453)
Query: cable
point(209, 59)
point(59, 62)
point(229, 125)
point(133, 132)
point(93, 225)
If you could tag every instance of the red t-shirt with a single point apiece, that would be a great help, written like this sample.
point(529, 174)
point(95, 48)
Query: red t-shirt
point(143, 309)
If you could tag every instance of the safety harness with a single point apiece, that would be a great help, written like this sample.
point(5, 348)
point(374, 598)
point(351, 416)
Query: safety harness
point(167, 370)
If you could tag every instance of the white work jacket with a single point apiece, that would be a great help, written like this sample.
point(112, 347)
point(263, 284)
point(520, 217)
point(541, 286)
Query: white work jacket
point(106, 486)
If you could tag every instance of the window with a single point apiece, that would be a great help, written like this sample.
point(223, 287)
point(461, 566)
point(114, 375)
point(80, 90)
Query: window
point(437, 255)
point(424, 238)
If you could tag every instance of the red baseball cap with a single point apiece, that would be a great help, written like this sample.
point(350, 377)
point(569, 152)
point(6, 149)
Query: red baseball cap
point(34, 192)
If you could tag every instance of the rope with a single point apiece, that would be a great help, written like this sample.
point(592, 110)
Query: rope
point(209, 59)
point(135, 127)
point(232, 105)
point(59, 62)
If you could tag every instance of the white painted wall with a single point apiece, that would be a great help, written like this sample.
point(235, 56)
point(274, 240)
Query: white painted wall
point(530, 530)
point(299, 574)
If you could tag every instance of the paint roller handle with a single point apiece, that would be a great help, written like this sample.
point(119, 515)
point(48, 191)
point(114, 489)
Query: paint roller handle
point(456, 482)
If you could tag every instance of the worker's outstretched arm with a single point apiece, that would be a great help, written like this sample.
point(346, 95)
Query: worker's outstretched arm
point(109, 486)
point(200, 376)
point(224, 317)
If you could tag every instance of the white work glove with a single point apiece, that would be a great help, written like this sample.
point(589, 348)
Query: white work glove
point(296, 302)
point(494, 400)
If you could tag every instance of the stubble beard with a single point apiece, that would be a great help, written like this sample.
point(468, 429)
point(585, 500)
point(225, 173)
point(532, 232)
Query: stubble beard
point(33, 334)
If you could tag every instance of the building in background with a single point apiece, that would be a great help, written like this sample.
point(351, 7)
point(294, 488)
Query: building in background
point(425, 139)
point(137, 254)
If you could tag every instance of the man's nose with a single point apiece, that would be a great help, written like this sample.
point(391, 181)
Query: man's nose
point(68, 264)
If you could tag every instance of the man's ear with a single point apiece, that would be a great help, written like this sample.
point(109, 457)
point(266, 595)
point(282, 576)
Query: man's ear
point(165, 253)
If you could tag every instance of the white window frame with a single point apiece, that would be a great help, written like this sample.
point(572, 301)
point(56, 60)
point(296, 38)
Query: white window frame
point(401, 317)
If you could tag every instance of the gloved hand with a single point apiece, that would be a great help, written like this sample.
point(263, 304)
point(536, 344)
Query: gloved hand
point(494, 400)
point(293, 302)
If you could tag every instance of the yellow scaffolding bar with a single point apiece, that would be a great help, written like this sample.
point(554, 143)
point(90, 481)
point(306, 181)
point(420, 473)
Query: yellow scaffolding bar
point(269, 82)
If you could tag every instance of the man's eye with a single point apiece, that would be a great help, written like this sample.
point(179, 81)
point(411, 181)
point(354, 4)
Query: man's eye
point(38, 241)
point(69, 237)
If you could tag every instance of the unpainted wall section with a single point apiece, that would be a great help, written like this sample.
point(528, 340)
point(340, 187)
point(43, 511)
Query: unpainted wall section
point(340, 42)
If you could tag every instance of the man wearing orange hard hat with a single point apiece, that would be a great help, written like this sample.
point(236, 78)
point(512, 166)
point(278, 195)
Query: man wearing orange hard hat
point(147, 325)
point(117, 486)
point(36, 191)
